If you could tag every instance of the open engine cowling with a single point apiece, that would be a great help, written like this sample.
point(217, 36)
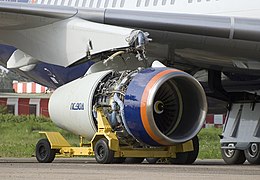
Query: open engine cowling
point(154, 106)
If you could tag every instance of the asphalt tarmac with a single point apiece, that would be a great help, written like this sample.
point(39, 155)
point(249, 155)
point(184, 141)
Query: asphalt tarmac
point(87, 168)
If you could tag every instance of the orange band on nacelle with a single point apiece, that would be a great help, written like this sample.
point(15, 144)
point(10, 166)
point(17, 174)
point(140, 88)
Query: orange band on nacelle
point(145, 95)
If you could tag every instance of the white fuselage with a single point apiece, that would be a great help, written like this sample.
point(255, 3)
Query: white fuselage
point(238, 8)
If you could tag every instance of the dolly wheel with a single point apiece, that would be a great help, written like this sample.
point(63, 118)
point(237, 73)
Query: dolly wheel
point(134, 160)
point(252, 154)
point(152, 160)
point(231, 156)
point(187, 157)
point(44, 153)
point(103, 154)
point(119, 160)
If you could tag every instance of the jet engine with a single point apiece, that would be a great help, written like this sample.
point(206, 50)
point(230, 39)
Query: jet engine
point(153, 106)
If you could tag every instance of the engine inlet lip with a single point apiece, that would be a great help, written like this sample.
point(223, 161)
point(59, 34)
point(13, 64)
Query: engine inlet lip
point(165, 140)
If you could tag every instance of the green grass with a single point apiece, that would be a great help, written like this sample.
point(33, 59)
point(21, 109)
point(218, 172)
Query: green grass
point(19, 135)
point(209, 143)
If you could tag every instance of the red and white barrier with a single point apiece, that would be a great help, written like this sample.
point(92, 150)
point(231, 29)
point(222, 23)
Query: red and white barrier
point(28, 87)
point(214, 120)
point(22, 105)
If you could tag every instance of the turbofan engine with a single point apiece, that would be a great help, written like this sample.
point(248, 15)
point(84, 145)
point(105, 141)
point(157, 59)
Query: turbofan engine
point(153, 106)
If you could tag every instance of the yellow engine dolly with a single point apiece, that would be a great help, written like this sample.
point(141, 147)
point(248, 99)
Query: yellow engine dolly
point(104, 146)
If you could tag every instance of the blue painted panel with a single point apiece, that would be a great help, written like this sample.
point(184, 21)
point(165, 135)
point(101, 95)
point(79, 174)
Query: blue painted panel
point(46, 74)
point(5, 53)
point(132, 104)
point(55, 76)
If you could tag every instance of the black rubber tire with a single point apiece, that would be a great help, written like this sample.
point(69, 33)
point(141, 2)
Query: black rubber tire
point(44, 153)
point(103, 154)
point(253, 158)
point(187, 157)
point(134, 160)
point(232, 157)
point(152, 160)
point(119, 160)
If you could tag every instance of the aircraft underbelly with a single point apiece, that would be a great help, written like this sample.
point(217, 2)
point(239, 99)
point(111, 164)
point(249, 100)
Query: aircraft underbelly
point(209, 52)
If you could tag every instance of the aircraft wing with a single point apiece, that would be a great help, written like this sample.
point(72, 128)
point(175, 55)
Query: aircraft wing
point(17, 16)
point(197, 24)
point(61, 35)
point(226, 43)
point(54, 34)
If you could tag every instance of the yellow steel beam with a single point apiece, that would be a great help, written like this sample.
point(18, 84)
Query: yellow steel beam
point(56, 140)
point(76, 151)
point(105, 130)
point(103, 124)
point(185, 147)
point(147, 152)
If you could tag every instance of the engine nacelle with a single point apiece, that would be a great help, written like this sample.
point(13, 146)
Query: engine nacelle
point(70, 106)
point(154, 106)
